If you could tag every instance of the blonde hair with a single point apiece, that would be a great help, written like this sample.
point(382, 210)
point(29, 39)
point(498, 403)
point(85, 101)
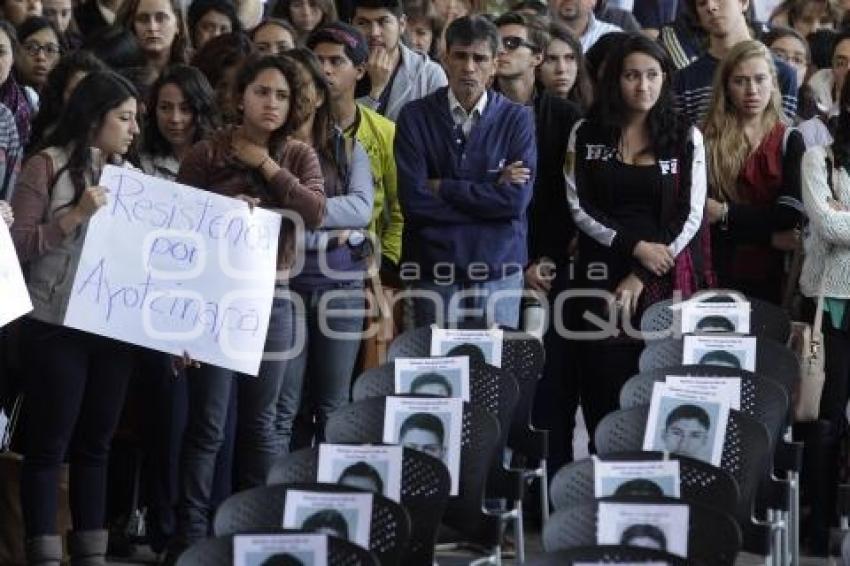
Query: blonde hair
point(728, 146)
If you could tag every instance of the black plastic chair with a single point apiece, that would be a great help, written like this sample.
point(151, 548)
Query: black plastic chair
point(774, 361)
point(766, 319)
point(218, 551)
point(764, 400)
point(425, 485)
point(713, 536)
point(261, 509)
point(700, 482)
point(746, 448)
point(523, 357)
point(610, 554)
point(363, 422)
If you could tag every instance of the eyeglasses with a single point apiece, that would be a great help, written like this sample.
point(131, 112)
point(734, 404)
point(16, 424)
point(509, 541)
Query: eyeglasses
point(49, 49)
point(512, 43)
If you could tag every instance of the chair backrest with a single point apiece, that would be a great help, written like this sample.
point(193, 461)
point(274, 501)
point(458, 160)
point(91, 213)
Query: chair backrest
point(609, 554)
point(363, 422)
point(713, 536)
point(218, 551)
point(261, 508)
point(766, 319)
point(746, 448)
point(764, 400)
point(523, 358)
point(774, 361)
point(700, 482)
point(425, 485)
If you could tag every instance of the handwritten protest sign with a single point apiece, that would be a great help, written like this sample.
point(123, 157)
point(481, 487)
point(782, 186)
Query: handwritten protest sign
point(14, 298)
point(175, 269)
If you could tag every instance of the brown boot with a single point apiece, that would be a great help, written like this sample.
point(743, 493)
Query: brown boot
point(88, 548)
point(45, 550)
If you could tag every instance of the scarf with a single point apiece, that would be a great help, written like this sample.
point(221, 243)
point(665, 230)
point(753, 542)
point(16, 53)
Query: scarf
point(12, 96)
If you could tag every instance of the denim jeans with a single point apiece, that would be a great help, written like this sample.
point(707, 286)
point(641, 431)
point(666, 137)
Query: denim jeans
point(209, 395)
point(502, 309)
point(321, 372)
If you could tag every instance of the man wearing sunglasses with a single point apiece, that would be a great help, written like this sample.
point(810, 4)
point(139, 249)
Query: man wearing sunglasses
point(550, 225)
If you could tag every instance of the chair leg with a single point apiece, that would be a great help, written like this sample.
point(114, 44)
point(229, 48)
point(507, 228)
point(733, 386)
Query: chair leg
point(544, 491)
point(794, 517)
point(519, 533)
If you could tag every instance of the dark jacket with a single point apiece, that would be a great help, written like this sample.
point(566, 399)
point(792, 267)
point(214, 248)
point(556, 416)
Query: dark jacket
point(474, 219)
point(550, 225)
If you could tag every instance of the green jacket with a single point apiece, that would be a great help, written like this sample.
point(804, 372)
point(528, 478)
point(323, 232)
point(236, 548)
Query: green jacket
point(375, 133)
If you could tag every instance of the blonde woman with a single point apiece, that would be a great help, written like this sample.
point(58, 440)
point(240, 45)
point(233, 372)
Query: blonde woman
point(754, 160)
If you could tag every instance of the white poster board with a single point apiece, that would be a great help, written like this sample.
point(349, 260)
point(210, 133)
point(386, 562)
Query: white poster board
point(432, 426)
point(445, 377)
point(344, 515)
point(646, 478)
point(721, 388)
point(174, 268)
point(737, 352)
point(711, 317)
point(660, 527)
point(488, 342)
point(374, 468)
point(254, 550)
point(14, 297)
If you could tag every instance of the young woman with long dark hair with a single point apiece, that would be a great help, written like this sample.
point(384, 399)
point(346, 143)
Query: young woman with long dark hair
point(754, 174)
point(76, 381)
point(181, 112)
point(257, 161)
point(319, 377)
point(61, 82)
point(160, 28)
point(635, 173)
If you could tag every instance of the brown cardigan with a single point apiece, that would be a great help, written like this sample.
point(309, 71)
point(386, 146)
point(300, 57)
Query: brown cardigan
point(298, 186)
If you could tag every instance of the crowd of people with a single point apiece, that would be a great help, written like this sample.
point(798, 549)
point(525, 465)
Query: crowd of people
point(482, 156)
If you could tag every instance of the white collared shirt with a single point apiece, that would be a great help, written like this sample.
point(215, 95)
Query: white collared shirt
point(463, 118)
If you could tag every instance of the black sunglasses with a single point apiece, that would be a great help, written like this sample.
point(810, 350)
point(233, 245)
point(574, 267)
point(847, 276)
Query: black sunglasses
point(512, 43)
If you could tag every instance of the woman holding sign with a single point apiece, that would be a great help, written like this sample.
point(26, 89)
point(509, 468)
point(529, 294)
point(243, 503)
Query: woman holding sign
point(635, 174)
point(257, 162)
point(77, 381)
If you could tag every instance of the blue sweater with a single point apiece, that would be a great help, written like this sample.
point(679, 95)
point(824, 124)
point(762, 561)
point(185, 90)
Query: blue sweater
point(474, 219)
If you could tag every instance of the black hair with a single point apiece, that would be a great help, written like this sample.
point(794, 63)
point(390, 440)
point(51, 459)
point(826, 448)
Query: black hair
point(395, 7)
point(282, 559)
point(639, 487)
point(199, 96)
point(668, 131)
point(327, 7)
point(688, 412)
point(595, 57)
point(841, 133)
point(841, 36)
point(722, 357)
point(117, 47)
point(298, 108)
point(467, 30)
point(644, 531)
point(425, 421)
point(582, 91)
point(820, 46)
point(431, 378)
point(781, 32)
point(473, 351)
point(200, 8)
point(363, 470)
point(51, 97)
point(34, 24)
point(716, 321)
point(329, 519)
point(535, 28)
point(323, 122)
point(81, 120)
point(221, 53)
point(537, 6)
point(10, 31)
